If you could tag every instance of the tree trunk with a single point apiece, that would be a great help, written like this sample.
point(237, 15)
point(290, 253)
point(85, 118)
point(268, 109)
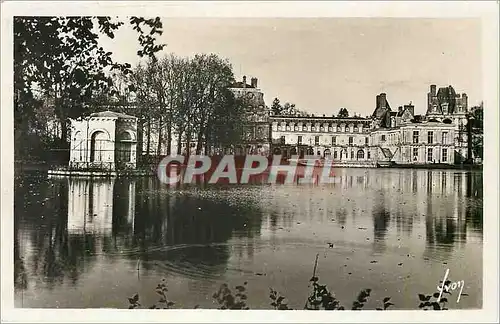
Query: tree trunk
point(169, 137)
point(148, 145)
point(140, 141)
point(179, 143)
point(158, 149)
point(188, 142)
point(469, 140)
point(199, 145)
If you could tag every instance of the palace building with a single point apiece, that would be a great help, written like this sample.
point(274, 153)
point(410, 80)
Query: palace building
point(388, 136)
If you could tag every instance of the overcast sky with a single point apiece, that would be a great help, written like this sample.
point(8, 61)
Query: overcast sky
point(328, 63)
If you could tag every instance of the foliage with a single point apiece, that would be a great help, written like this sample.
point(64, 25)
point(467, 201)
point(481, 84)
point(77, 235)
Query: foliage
point(277, 301)
point(428, 302)
point(162, 290)
point(190, 96)
point(343, 112)
point(58, 61)
point(287, 109)
point(385, 304)
point(320, 299)
point(227, 300)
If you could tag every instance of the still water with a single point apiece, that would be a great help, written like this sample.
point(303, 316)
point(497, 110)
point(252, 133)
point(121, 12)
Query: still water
point(82, 243)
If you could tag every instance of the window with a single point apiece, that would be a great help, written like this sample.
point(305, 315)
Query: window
point(445, 155)
point(382, 138)
point(299, 140)
point(296, 128)
point(429, 154)
point(415, 137)
point(335, 154)
point(313, 128)
point(316, 140)
point(288, 127)
point(355, 129)
point(279, 128)
point(322, 129)
point(282, 139)
point(304, 128)
point(366, 140)
point(415, 153)
point(444, 138)
point(351, 140)
point(352, 155)
point(330, 129)
point(334, 140)
point(430, 137)
point(368, 155)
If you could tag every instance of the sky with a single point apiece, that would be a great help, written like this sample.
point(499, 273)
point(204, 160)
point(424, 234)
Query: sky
point(324, 64)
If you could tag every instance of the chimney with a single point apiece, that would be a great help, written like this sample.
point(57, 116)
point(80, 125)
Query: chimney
point(411, 108)
point(382, 101)
point(400, 109)
point(244, 81)
point(433, 90)
point(377, 101)
point(254, 82)
point(465, 102)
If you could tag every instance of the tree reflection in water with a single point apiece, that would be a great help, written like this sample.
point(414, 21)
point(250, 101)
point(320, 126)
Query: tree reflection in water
point(73, 223)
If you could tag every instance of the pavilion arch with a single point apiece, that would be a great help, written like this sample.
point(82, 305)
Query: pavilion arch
point(98, 141)
point(126, 135)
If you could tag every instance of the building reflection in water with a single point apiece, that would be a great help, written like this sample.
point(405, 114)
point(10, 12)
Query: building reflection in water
point(65, 228)
point(94, 222)
point(445, 205)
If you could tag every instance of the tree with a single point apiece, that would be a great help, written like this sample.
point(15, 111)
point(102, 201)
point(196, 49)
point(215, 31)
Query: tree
point(343, 112)
point(475, 131)
point(276, 107)
point(190, 96)
point(60, 58)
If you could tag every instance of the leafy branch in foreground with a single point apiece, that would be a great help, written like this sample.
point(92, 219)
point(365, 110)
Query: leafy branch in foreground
point(428, 302)
point(277, 300)
point(320, 298)
point(227, 300)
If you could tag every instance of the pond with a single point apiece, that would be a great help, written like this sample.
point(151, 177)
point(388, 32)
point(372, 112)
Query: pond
point(94, 243)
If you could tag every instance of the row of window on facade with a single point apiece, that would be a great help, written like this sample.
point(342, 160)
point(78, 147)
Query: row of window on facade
point(430, 137)
point(316, 140)
point(430, 154)
point(98, 149)
point(304, 128)
point(343, 154)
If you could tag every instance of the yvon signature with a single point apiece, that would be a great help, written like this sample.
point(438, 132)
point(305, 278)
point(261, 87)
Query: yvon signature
point(448, 286)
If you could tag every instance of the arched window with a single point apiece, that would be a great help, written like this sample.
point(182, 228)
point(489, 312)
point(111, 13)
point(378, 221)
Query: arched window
point(335, 154)
point(361, 155)
point(98, 142)
point(327, 153)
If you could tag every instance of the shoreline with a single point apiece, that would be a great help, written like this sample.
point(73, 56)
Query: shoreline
point(54, 169)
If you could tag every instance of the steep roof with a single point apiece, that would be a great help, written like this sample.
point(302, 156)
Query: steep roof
point(109, 113)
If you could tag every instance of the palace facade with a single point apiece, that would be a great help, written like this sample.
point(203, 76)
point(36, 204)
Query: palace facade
point(388, 136)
